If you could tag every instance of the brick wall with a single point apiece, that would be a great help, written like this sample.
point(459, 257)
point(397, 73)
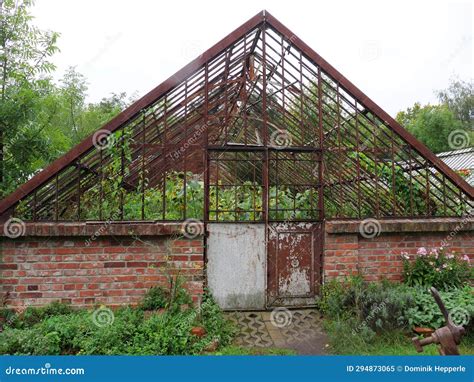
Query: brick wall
point(87, 264)
point(348, 252)
point(107, 269)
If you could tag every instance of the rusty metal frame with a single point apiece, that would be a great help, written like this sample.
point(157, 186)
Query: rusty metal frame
point(258, 80)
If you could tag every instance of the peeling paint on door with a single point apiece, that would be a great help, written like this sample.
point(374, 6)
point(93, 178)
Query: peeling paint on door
point(293, 263)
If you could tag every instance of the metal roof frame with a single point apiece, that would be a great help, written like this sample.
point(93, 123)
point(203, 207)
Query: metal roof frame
point(8, 203)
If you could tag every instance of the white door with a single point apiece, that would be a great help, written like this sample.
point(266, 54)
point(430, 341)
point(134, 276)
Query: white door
point(236, 263)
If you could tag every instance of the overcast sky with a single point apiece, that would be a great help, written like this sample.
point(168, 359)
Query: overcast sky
point(396, 52)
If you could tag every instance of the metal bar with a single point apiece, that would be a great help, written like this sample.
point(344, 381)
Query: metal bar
point(129, 112)
point(369, 104)
point(321, 145)
point(143, 168)
point(206, 143)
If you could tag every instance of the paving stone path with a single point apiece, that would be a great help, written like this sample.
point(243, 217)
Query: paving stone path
point(300, 330)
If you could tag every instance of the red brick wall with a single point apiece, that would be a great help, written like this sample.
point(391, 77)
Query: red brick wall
point(70, 262)
point(348, 252)
point(107, 270)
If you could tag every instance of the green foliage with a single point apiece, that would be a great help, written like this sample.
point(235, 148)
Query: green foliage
point(157, 297)
point(388, 343)
point(214, 321)
point(24, 54)
point(57, 329)
point(436, 268)
point(396, 179)
point(459, 98)
point(245, 199)
point(377, 318)
point(172, 298)
point(369, 307)
point(32, 316)
point(29, 341)
point(39, 119)
point(426, 313)
point(431, 124)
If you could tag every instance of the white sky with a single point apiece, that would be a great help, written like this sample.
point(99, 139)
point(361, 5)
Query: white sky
point(397, 52)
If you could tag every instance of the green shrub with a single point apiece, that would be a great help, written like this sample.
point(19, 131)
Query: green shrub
point(376, 306)
point(115, 338)
point(214, 321)
point(155, 298)
point(360, 316)
point(8, 317)
point(29, 342)
point(436, 268)
point(172, 298)
point(33, 315)
point(333, 301)
point(58, 329)
point(168, 333)
point(179, 296)
point(426, 313)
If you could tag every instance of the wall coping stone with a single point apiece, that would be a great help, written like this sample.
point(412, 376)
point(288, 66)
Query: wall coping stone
point(405, 225)
point(99, 228)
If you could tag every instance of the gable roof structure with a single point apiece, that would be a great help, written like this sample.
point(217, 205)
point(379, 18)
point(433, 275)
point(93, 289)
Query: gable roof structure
point(254, 83)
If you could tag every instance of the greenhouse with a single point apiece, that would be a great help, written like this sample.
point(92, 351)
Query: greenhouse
point(268, 166)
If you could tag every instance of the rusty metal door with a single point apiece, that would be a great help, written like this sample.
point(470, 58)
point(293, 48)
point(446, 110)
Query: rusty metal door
point(293, 263)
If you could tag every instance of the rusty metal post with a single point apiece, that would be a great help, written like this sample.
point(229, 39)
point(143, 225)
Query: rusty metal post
point(448, 336)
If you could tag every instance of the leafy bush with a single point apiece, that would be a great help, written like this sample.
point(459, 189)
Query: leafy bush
point(360, 315)
point(436, 268)
point(115, 338)
point(426, 313)
point(173, 297)
point(34, 315)
point(373, 306)
point(155, 298)
point(7, 317)
point(29, 341)
point(214, 321)
point(63, 330)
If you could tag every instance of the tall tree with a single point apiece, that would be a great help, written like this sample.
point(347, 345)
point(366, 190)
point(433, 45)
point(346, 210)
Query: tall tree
point(459, 97)
point(432, 125)
point(24, 59)
point(74, 92)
